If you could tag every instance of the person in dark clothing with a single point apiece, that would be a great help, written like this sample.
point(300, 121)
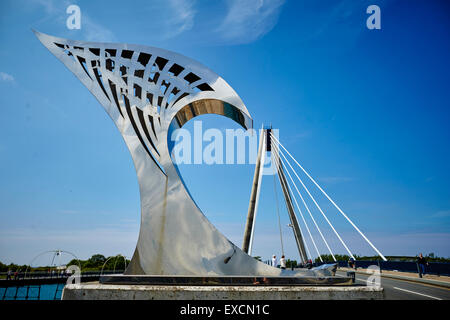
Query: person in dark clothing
point(421, 262)
point(351, 263)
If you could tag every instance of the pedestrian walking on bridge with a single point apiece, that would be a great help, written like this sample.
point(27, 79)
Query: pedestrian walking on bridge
point(283, 262)
point(421, 262)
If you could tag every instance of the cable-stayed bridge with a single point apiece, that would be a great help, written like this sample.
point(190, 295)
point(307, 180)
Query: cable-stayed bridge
point(288, 167)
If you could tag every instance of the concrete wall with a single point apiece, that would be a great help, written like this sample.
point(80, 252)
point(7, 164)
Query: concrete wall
point(96, 291)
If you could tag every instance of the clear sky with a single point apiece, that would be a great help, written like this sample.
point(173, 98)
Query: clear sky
point(365, 111)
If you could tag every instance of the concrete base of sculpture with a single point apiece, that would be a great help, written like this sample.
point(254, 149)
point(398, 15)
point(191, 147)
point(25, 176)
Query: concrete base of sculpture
point(324, 280)
point(97, 291)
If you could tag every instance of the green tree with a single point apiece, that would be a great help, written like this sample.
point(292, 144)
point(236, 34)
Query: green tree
point(96, 261)
point(291, 263)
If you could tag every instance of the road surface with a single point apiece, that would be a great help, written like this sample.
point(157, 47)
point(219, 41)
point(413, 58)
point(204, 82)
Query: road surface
point(405, 290)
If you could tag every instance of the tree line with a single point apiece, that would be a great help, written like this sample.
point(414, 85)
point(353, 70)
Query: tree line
point(94, 263)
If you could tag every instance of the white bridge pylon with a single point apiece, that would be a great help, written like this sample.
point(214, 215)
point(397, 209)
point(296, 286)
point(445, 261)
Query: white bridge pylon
point(280, 158)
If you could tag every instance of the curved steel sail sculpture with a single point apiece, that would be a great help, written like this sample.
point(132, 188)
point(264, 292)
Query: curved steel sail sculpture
point(148, 92)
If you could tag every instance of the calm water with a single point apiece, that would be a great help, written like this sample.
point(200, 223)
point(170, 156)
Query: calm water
point(47, 292)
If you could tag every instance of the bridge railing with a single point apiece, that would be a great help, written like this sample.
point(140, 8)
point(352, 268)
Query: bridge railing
point(435, 268)
point(54, 275)
point(41, 285)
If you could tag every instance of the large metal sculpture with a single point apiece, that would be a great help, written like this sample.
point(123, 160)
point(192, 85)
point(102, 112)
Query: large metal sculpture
point(149, 92)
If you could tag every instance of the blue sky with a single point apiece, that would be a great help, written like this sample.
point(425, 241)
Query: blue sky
point(365, 111)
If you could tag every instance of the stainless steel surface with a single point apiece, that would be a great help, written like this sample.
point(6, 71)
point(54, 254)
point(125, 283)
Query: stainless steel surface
point(148, 92)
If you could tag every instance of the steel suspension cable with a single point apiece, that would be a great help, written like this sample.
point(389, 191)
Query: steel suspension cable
point(287, 187)
point(328, 197)
point(278, 212)
point(312, 217)
point(317, 205)
point(301, 214)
